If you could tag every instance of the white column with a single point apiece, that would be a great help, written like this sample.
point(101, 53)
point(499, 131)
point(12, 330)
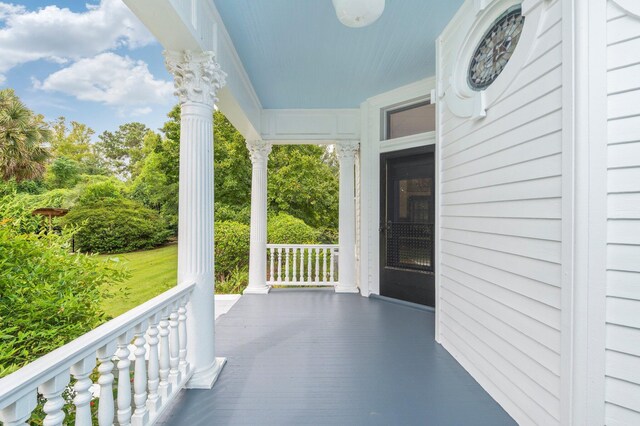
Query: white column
point(197, 79)
point(259, 151)
point(347, 220)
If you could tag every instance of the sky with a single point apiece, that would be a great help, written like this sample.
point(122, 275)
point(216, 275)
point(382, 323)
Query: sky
point(90, 61)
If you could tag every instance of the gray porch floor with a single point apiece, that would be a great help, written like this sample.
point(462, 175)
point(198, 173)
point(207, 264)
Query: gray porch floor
point(312, 357)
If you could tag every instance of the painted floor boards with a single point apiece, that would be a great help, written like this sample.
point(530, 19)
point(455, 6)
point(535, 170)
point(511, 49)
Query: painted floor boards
point(312, 357)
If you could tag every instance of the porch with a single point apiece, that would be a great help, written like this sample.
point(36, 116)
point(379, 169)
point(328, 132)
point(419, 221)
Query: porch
point(310, 356)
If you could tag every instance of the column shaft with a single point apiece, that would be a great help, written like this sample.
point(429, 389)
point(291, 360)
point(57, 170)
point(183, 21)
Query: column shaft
point(259, 151)
point(347, 219)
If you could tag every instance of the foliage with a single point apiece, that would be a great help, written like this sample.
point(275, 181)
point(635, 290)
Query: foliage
point(234, 283)
point(75, 144)
point(49, 296)
point(302, 185)
point(109, 189)
point(231, 247)
point(224, 212)
point(15, 209)
point(124, 149)
point(23, 136)
point(286, 229)
point(63, 173)
point(115, 226)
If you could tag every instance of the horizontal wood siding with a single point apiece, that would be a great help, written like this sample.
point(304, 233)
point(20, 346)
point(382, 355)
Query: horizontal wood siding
point(500, 235)
point(623, 228)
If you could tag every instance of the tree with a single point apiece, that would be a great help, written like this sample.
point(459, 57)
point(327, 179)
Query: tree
point(23, 136)
point(63, 173)
point(123, 149)
point(75, 144)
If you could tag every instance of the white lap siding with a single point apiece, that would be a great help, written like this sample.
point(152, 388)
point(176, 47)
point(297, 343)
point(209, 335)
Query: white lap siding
point(623, 228)
point(500, 239)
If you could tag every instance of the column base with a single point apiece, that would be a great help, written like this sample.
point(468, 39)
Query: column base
point(345, 289)
point(206, 378)
point(263, 289)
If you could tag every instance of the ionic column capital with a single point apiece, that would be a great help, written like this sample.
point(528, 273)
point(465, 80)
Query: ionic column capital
point(259, 151)
point(197, 76)
point(347, 149)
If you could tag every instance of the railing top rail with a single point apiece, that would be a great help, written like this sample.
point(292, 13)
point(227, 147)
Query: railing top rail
point(325, 246)
point(17, 384)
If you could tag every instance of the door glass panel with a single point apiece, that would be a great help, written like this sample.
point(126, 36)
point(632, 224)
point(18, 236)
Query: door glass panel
point(410, 225)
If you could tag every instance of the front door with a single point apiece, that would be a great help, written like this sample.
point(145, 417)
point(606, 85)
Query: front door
point(407, 203)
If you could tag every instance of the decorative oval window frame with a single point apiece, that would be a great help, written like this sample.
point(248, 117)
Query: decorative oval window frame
point(461, 99)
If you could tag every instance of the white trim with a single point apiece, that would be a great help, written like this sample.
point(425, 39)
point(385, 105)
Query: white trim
point(310, 124)
point(371, 147)
point(632, 7)
point(584, 213)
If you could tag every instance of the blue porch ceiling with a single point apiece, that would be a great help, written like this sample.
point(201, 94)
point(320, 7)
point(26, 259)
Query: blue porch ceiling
point(298, 55)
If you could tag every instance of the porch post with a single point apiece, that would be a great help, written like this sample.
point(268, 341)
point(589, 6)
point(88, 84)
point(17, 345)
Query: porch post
point(259, 151)
point(197, 79)
point(347, 219)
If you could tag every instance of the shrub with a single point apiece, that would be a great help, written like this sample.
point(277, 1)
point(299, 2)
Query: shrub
point(16, 209)
point(115, 226)
point(286, 229)
point(234, 283)
point(231, 247)
point(225, 212)
point(48, 296)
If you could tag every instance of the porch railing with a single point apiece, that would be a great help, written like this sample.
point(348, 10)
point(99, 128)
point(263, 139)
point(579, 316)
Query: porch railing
point(157, 332)
point(302, 265)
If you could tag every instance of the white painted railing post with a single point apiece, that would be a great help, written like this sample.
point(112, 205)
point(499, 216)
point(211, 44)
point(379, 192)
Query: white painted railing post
point(198, 78)
point(259, 153)
point(174, 349)
point(124, 380)
point(140, 415)
point(81, 371)
point(52, 390)
point(347, 217)
point(18, 413)
point(164, 388)
point(153, 399)
point(105, 369)
point(182, 330)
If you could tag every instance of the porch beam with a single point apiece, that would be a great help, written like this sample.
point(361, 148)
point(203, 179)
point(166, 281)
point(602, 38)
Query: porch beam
point(259, 151)
point(198, 78)
point(347, 151)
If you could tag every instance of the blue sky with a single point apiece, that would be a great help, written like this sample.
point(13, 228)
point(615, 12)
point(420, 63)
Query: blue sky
point(90, 61)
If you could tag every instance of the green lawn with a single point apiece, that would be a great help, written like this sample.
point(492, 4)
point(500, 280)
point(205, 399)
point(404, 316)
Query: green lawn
point(152, 272)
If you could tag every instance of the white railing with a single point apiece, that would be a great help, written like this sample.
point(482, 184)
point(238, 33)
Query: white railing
point(157, 332)
point(303, 264)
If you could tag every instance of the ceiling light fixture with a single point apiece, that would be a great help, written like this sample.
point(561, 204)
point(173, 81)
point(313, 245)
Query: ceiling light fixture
point(358, 13)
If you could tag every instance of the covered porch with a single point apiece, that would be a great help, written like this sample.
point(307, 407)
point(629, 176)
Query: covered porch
point(313, 357)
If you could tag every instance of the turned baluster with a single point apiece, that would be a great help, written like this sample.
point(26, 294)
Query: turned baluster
point(18, 413)
point(279, 264)
point(52, 391)
point(81, 371)
point(153, 400)
point(164, 387)
point(174, 349)
point(331, 276)
point(324, 265)
point(105, 369)
point(140, 414)
point(271, 265)
point(295, 265)
point(309, 273)
point(124, 380)
point(317, 252)
point(286, 270)
point(182, 333)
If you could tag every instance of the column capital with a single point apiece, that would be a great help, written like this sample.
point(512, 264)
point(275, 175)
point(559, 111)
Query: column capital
point(347, 149)
point(259, 150)
point(197, 76)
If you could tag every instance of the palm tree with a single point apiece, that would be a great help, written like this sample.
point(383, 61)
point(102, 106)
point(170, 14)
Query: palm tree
point(23, 139)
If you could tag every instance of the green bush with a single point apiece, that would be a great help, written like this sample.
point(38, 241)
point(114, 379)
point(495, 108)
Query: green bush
point(225, 212)
point(16, 209)
point(234, 283)
point(286, 229)
point(231, 247)
point(116, 226)
point(48, 296)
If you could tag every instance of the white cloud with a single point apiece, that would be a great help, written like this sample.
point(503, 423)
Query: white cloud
point(112, 80)
point(59, 34)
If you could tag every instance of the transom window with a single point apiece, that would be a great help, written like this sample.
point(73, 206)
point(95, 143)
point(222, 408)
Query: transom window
point(410, 120)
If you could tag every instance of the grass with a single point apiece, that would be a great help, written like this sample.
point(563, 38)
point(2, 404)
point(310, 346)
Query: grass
point(152, 273)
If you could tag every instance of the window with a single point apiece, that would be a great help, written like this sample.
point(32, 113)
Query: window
point(410, 120)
